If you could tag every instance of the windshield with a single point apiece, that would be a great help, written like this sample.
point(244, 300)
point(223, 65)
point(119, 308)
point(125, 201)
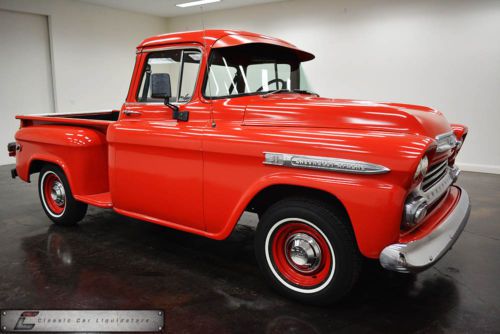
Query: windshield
point(252, 69)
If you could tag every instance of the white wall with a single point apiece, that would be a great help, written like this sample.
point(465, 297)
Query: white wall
point(25, 73)
point(93, 50)
point(444, 54)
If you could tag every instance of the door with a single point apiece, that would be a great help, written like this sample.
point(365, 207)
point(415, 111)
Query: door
point(155, 160)
point(25, 72)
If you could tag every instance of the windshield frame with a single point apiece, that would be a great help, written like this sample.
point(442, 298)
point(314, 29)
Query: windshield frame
point(256, 93)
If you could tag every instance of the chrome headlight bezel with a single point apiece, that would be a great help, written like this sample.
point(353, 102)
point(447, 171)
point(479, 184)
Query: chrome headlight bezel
point(421, 168)
point(446, 141)
point(415, 210)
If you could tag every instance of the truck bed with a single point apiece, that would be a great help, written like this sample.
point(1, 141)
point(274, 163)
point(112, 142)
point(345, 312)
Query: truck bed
point(74, 141)
point(93, 118)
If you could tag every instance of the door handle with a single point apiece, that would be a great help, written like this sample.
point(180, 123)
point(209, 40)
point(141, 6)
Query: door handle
point(131, 112)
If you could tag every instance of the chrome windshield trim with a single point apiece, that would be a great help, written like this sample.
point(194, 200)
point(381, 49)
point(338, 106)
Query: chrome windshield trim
point(323, 163)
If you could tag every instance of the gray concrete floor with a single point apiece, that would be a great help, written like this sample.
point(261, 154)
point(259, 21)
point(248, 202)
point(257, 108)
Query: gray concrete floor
point(110, 261)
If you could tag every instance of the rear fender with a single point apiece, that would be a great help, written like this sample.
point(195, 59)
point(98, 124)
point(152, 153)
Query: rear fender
point(80, 152)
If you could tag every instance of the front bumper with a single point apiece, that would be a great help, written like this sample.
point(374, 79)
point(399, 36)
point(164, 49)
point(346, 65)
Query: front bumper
point(420, 254)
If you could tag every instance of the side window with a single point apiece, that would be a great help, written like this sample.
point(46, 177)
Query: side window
point(181, 65)
point(262, 77)
point(191, 65)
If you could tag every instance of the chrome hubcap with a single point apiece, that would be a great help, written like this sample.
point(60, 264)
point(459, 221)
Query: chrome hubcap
point(57, 193)
point(303, 252)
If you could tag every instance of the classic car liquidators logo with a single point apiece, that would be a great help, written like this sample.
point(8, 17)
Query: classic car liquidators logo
point(81, 321)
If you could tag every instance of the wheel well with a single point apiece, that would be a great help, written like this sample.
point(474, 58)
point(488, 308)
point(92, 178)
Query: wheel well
point(37, 165)
point(270, 195)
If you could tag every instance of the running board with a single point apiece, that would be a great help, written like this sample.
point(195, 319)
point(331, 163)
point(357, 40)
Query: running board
point(102, 200)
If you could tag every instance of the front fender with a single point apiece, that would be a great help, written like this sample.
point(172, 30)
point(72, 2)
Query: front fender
point(234, 173)
point(373, 205)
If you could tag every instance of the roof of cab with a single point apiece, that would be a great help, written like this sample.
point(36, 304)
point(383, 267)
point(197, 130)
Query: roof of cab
point(217, 39)
point(199, 36)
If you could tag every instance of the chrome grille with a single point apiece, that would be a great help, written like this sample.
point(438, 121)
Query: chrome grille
point(434, 175)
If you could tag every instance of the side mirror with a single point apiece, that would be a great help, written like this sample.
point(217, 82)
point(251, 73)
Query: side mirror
point(160, 86)
point(161, 89)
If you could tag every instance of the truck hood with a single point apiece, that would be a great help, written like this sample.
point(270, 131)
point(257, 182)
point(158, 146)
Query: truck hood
point(296, 110)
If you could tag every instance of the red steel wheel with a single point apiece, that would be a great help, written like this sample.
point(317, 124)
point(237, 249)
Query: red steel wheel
point(301, 255)
point(306, 251)
point(57, 198)
point(54, 195)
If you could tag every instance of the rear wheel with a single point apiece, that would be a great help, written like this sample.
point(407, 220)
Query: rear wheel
point(57, 199)
point(306, 251)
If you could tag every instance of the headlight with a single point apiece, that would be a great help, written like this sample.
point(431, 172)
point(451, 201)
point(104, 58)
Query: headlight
point(415, 211)
point(421, 168)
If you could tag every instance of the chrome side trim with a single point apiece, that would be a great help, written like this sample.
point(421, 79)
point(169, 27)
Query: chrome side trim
point(423, 253)
point(323, 163)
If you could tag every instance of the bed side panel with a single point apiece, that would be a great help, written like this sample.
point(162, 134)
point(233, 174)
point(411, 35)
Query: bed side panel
point(80, 152)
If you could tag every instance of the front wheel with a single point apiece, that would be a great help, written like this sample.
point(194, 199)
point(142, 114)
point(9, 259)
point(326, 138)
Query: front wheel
point(57, 199)
point(306, 251)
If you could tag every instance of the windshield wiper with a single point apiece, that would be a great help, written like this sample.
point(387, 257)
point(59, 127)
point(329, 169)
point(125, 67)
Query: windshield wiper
point(303, 91)
point(275, 91)
point(282, 90)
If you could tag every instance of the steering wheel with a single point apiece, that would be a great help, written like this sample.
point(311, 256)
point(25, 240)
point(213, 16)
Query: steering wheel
point(277, 80)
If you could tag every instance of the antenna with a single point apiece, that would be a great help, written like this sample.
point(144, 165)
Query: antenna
point(212, 119)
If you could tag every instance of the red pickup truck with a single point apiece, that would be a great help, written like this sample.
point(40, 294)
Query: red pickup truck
point(220, 122)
